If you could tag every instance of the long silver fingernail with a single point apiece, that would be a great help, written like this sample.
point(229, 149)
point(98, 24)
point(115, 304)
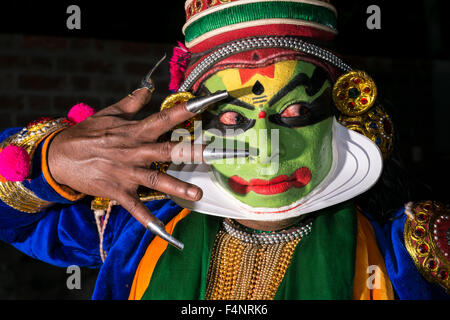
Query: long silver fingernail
point(198, 104)
point(219, 154)
point(147, 82)
point(158, 228)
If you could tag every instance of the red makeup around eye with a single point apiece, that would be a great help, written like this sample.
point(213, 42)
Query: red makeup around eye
point(300, 178)
point(229, 118)
point(295, 110)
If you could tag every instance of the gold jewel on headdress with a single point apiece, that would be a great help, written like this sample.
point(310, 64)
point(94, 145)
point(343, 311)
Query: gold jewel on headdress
point(375, 125)
point(14, 193)
point(181, 97)
point(354, 93)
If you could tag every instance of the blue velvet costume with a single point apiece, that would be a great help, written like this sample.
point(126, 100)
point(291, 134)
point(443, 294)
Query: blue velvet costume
point(66, 234)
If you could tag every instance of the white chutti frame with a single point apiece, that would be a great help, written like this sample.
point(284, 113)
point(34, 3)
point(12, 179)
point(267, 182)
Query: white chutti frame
point(356, 168)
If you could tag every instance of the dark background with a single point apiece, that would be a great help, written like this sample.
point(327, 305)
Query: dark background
point(45, 68)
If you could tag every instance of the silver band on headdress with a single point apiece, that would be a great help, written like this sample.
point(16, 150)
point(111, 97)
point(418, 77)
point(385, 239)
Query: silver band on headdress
point(260, 43)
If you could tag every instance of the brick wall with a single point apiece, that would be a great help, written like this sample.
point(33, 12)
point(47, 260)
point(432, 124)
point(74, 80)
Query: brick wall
point(45, 76)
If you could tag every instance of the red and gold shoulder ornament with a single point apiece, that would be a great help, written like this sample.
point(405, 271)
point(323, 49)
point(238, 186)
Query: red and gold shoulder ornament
point(427, 239)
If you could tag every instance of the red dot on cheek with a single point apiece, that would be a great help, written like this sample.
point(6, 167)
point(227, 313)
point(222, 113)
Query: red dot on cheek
point(262, 114)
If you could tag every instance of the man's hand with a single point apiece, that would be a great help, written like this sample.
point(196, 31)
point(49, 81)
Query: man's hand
point(108, 154)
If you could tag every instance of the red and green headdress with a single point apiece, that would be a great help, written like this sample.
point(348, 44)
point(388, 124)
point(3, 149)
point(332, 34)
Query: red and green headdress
point(221, 34)
point(211, 23)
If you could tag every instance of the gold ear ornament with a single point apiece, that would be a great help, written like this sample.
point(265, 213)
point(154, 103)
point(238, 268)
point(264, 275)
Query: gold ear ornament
point(355, 96)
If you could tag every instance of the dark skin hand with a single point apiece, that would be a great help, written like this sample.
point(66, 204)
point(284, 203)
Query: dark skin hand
point(108, 154)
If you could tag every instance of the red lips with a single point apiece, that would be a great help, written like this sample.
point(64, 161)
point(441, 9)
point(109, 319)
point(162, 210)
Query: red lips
point(283, 183)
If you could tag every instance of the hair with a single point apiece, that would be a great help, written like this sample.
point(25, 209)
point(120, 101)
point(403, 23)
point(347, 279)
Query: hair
point(396, 185)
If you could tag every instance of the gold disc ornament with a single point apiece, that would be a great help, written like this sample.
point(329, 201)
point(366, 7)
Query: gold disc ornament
point(175, 99)
point(427, 239)
point(354, 93)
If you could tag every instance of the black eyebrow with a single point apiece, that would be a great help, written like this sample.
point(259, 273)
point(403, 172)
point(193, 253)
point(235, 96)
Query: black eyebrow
point(299, 79)
point(312, 84)
point(238, 103)
point(229, 100)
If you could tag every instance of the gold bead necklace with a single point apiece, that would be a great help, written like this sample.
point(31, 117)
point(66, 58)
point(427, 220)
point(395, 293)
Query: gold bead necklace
point(250, 266)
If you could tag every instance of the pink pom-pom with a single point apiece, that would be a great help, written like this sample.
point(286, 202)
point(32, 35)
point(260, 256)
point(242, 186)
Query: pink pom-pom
point(178, 66)
point(15, 164)
point(80, 112)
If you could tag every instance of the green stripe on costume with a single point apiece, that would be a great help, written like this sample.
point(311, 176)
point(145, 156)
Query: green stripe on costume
point(179, 274)
point(259, 11)
point(322, 266)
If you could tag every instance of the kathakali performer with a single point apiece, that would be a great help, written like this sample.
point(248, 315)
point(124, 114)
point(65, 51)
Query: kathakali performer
point(297, 208)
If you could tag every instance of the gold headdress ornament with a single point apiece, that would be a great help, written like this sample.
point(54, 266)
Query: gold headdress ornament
point(355, 96)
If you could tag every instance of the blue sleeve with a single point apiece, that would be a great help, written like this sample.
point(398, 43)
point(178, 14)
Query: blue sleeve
point(406, 279)
point(66, 233)
point(61, 235)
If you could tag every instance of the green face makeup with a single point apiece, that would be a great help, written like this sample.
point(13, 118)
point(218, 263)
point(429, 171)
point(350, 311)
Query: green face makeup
point(283, 114)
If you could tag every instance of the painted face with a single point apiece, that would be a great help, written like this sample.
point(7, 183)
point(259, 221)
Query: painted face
point(283, 114)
